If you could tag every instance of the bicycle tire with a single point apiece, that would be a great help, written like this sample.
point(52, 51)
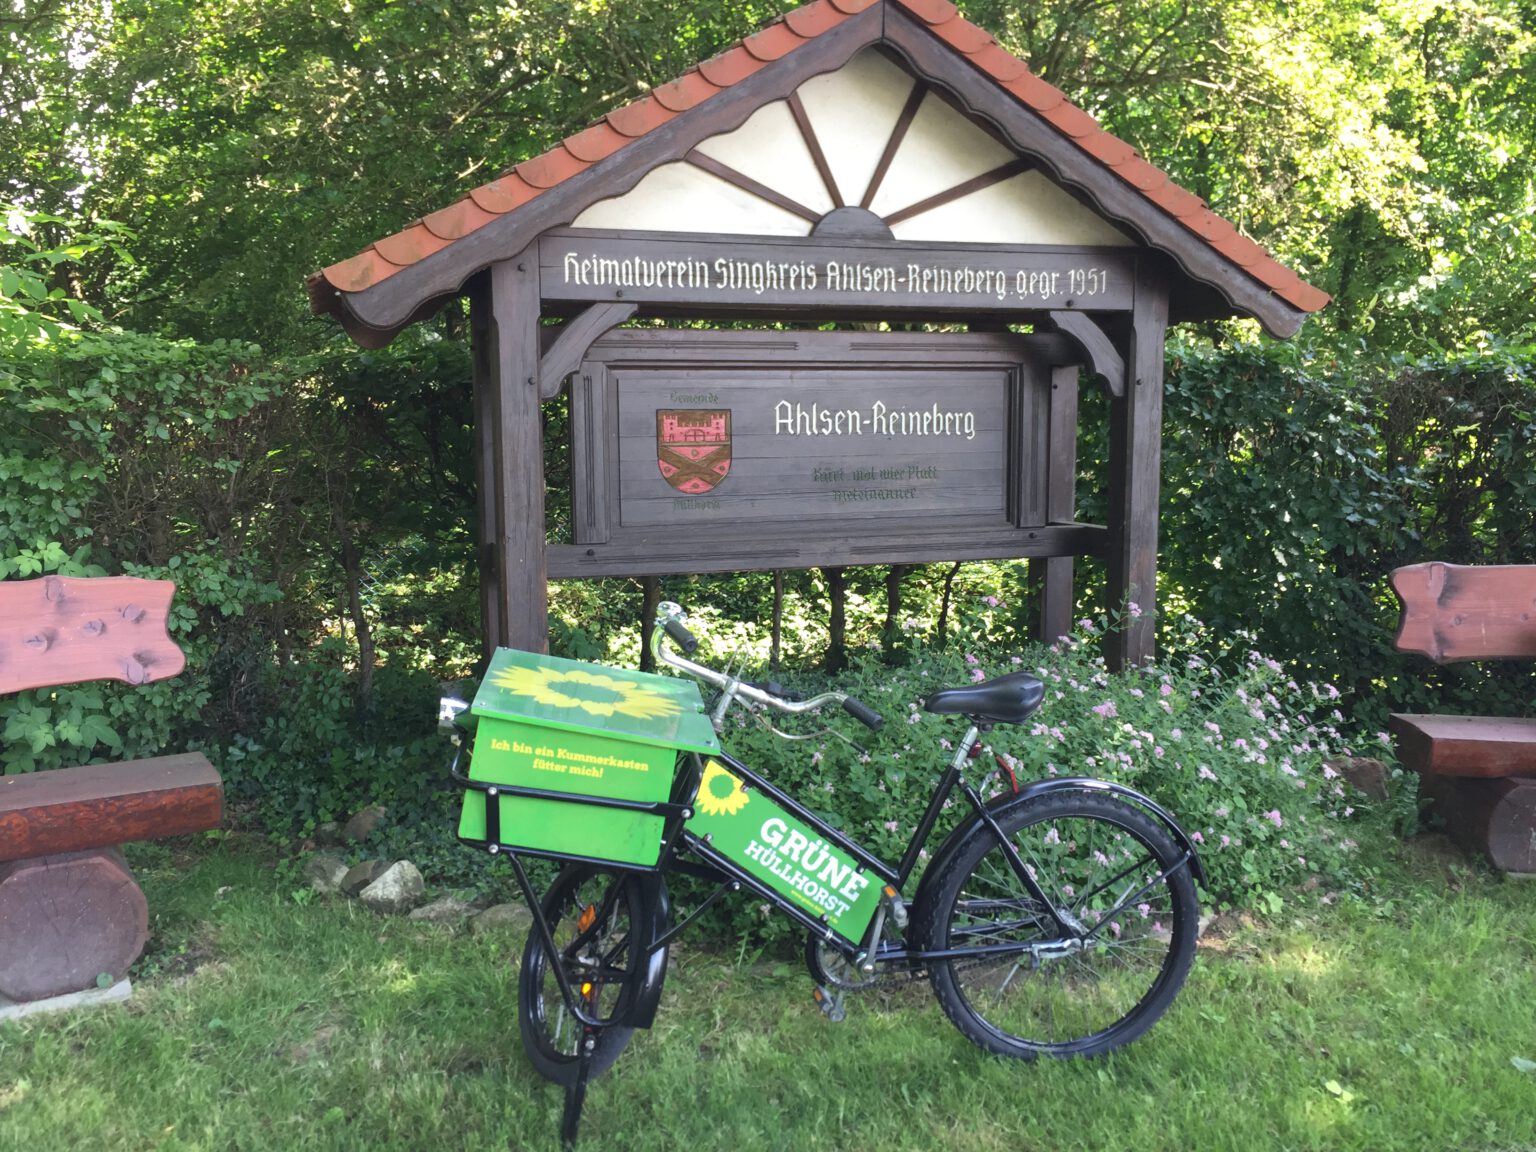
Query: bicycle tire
point(1089, 853)
point(551, 1035)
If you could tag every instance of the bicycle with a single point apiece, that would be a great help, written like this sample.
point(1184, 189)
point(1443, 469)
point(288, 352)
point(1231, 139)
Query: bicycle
point(1057, 918)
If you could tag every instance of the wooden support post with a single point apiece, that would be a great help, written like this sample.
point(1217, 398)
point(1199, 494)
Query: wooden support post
point(1135, 462)
point(482, 345)
point(776, 644)
point(650, 601)
point(1050, 577)
point(522, 589)
point(837, 643)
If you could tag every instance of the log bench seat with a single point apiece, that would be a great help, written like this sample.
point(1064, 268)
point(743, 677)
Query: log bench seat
point(70, 909)
point(1478, 772)
point(99, 805)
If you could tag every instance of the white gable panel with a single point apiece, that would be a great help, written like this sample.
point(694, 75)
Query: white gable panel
point(678, 197)
point(770, 149)
point(941, 149)
point(1027, 209)
point(853, 112)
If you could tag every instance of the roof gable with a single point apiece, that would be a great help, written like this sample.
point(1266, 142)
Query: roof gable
point(702, 137)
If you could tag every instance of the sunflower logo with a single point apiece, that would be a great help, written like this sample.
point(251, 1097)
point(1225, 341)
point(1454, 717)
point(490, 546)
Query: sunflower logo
point(720, 793)
point(592, 692)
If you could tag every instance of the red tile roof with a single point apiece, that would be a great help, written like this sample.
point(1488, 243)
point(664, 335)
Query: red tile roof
point(531, 178)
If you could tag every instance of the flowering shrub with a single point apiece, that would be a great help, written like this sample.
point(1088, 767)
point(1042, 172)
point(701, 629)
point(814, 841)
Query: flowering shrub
point(1222, 736)
point(1216, 732)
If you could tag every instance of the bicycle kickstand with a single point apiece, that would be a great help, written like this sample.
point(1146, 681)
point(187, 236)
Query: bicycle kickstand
point(576, 1092)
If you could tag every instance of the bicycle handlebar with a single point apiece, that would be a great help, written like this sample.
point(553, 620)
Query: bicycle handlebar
point(669, 624)
point(863, 713)
point(685, 639)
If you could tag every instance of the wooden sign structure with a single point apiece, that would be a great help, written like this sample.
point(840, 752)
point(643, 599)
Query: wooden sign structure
point(864, 161)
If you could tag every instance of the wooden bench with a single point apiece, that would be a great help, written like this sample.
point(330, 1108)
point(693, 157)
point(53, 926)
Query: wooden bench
point(1479, 771)
point(70, 908)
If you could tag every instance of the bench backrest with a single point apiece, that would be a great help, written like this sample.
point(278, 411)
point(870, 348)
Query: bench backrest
point(68, 630)
point(1459, 612)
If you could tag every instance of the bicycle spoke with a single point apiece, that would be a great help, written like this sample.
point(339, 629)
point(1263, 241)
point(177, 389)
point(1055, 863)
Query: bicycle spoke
point(1111, 890)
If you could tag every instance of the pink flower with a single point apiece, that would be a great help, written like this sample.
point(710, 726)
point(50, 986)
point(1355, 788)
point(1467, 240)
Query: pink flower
point(1133, 609)
point(1206, 773)
point(1165, 690)
point(1273, 816)
point(1197, 837)
point(1106, 709)
point(978, 675)
point(969, 659)
point(1226, 840)
point(990, 601)
point(891, 825)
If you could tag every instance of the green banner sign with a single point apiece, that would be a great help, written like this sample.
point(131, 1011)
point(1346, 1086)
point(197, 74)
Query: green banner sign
point(789, 856)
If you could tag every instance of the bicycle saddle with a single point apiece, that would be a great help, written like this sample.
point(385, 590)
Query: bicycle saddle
point(1006, 700)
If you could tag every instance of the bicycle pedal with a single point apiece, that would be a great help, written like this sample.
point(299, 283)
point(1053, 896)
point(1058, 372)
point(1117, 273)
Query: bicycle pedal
point(898, 907)
point(831, 1004)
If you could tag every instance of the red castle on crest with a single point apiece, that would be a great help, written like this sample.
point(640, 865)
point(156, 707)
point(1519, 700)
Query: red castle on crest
point(693, 448)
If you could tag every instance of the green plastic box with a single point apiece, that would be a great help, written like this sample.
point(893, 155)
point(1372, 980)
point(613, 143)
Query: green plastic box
point(584, 729)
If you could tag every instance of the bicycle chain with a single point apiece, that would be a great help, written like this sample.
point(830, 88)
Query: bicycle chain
point(890, 978)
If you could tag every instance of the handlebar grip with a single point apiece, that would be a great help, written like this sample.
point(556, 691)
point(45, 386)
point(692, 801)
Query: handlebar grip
point(685, 639)
point(863, 713)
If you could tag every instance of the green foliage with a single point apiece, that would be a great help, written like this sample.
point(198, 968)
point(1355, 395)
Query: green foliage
point(1384, 150)
point(308, 760)
point(1295, 481)
point(131, 454)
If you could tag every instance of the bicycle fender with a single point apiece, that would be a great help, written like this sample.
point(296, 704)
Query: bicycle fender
point(647, 993)
point(1039, 788)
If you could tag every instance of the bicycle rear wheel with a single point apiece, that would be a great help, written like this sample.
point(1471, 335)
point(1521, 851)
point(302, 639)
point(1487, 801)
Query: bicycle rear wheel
point(1104, 865)
point(599, 919)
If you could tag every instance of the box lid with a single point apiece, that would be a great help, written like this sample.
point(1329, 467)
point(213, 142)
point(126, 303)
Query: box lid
point(573, 695)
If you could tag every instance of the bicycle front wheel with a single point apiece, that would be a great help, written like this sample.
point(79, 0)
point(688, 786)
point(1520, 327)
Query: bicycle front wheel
point(1110, 870)
point(598, 919)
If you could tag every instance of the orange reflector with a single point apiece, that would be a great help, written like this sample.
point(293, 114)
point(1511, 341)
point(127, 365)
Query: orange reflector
point(586, 990)
point(588, 915)
point(890, 893)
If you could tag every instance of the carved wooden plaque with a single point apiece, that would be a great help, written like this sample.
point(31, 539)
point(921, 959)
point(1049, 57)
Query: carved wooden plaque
point(67, 630)
point(704, 437)
point(713, 271)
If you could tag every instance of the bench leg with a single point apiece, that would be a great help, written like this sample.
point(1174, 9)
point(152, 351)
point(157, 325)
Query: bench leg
point(1495, 817)
point(68, 918)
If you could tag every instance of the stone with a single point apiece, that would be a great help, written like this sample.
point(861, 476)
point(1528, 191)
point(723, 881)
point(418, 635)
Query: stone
point(359, 876)
point(328, 835)
point(397, 889)
point(444, 910)
point(91, 997)
point(325, 873)
point(365, 823)
point(69, 919)
point(1366, 774)
point(502, 918)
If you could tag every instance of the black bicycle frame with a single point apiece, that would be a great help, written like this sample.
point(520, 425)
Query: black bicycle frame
point(896, 877)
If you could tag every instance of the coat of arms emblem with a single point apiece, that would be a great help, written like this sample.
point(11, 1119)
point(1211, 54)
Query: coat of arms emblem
point(693, 448)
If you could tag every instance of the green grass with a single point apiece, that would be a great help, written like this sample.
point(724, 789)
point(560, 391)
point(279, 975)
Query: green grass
point(262, 1023)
